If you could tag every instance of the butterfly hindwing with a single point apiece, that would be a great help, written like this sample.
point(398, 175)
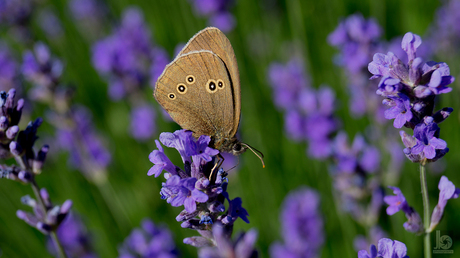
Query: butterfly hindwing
point(185, 90)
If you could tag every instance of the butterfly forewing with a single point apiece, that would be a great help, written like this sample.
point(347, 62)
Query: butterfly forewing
point(195, 105)
point(214, 40)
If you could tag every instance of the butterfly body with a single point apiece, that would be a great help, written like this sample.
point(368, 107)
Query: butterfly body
point(200, 89)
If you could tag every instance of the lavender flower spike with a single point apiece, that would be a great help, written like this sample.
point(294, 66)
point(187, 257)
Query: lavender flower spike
point(302, 226)
point(447, 190)
point(387, 248)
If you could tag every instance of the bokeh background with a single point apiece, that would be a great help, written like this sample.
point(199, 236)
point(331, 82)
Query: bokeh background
point(111, 198)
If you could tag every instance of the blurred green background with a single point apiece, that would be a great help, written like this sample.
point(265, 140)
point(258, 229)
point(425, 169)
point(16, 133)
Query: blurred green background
point(263, 28)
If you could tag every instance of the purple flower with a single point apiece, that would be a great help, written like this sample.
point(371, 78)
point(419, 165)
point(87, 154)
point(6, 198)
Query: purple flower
point(217, 11)
point(125, 57)
point(287, 82)
point(180, 192)
point(427, 142)
point(8, 69)
point(148, 241)
point(159, 61)
point(143, 122)
point(447, 190)
point(302, 226)
point(161, 162)
point(356, 38)
point(400, 110)
point(10, 112)
point(397, 203)
point(85, 145)
point(387, 248)
point(50, 23)
point(242, 247)
point(44, 220)
point(40, 68)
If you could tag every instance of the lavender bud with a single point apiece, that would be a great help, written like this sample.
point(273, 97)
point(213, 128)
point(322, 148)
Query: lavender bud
point(44, 228)
point(216, 207)
point(66, 206)
point(52, 215)
point(46, 197)
point(37, 164)
point(205, 219)
point(12, 132)
point(3, 123)
point(27, 200)
point(442, 114)
point(25, 176)
point(20, 105)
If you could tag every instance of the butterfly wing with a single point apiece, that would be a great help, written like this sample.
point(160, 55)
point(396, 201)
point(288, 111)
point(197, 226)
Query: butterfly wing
point(214, 40)
point(193, 103)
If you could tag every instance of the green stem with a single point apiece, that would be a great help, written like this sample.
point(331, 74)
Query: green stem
point(426, 211)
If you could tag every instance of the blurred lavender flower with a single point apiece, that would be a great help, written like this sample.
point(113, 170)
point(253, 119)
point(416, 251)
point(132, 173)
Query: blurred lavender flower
point(80, 139)
point(397, 203)
point(10, 115)
point(302, 226)
point(447, 190)
point(126, 56)
point(8, 69)
point(309, 112)
point(200, 187)
point(15, 12)
point(217, 11)
point(43, 71)
point(143, 122)
point(242, 247)
point(148, 241)
point(50, 23)
point(357, 40)
point(410, 91)
point(48, 220)
point(444, 34)
point(387, 248)
point(89, 16)
point(74, 238)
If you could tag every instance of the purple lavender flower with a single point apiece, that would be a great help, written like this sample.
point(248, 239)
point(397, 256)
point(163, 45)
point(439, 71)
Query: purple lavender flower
point(287, 82)
point(447, 190)
point(242, 246)
point(15, 12)
point(397, 203)
point(48, 220)
point(200, 187)
point(39, 67)
point(8, 69)
point(89, 16)
point(428, 145)
point(148, 241)
point(87, 151)
point(358, 157)
point(400, 110)
point(387, 248)
point(356, 38)
point(302, 226)
point(410, 90)
point(217, 11)
point(125, 57)
point(10, 115)
point(74, 237)
point(143, 122)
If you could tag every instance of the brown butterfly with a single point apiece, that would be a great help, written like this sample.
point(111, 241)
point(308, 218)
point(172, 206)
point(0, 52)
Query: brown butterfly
point(200, 89)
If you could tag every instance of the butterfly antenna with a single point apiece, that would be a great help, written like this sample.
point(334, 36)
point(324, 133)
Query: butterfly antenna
point(259, 154)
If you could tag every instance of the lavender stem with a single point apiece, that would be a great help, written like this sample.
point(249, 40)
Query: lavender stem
point(426, 211)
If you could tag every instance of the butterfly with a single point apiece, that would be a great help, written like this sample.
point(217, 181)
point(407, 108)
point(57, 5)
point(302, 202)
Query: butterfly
point(200, 89)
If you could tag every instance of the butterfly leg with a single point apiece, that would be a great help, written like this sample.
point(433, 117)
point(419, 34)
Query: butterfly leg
point(213, 174)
